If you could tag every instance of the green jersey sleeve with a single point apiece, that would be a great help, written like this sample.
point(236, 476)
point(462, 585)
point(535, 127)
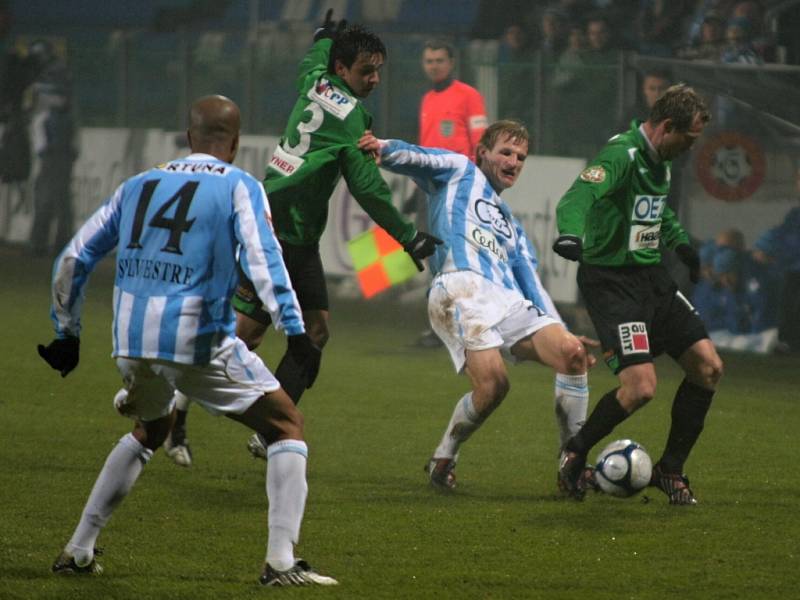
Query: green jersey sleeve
point(314, 63)
point(672, 233)
point(368, 187)
point(607, 173)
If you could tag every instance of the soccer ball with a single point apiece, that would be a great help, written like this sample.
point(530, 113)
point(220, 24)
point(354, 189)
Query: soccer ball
point(623, 468)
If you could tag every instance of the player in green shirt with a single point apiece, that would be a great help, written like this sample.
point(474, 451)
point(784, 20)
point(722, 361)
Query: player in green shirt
point(612, 220)
point(318, 147)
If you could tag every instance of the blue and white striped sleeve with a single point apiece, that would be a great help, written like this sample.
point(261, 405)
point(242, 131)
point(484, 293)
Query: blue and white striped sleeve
point(524, 266)
point(96, 238)
point(261, 257)
point(428, 167)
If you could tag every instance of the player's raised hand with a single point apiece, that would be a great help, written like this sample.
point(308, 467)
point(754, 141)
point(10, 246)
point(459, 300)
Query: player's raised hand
point(422, 246)
point(371, 145)
point(329, 27)
point(61, 354)
point(588, 344)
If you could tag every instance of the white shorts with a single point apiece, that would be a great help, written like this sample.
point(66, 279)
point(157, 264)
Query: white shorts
point(469, 312)
point(233, 380)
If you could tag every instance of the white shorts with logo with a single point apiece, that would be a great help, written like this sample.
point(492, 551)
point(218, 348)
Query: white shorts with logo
point(233, 380)
point(469, 312)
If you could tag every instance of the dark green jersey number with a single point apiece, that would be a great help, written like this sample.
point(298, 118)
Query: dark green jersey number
point(176, 225)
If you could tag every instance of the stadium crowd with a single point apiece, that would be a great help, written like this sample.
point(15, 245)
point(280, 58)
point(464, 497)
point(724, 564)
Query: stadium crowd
point(727, 31)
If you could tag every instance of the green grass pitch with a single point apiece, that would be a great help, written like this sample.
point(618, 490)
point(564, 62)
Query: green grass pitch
point(372, 420)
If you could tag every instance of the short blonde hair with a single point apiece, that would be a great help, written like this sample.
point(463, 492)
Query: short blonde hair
point(504, 127)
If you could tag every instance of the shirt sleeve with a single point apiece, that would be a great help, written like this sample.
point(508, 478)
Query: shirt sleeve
point(524, 266)
point(609, 171)
point(96, 238)
point(261, 257)
point(672, 232)
point(368, 187)
point(314, 62)
point(428, 167)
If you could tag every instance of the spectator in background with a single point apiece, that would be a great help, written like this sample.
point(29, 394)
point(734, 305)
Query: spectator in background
point(553, 32)
point(654, 83)
point(18, 70)
point(702, 9)
point(452, 115)
point(711, 40)
point(658, 26)
point(53, 142)
point(600, 95)
point(779, 249)
point(739, 46)
point(515, 65)
point(571, 99)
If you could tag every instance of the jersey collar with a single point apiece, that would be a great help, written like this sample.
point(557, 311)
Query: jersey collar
point(648, 145)
point(202, 156)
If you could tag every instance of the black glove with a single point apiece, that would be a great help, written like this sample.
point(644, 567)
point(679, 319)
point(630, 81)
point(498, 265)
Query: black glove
point(61, 354)
point(422, 246)
point(329, 28)
point(306, 355)
point(569, 247)
point(691, 259)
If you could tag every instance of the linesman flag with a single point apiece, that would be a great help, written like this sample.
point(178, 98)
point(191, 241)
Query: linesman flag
point(379, 261)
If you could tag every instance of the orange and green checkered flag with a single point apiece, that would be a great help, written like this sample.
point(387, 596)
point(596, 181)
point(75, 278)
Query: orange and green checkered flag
point(379, 261)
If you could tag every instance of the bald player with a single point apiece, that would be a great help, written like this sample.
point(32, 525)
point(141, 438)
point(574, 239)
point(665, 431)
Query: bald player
point(178, 229)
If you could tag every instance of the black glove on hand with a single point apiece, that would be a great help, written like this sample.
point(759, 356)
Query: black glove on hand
point(306, 355)
point(61, 354)
point(691, 259)
point(422, 246)
point(329, 28)
point(569, 247)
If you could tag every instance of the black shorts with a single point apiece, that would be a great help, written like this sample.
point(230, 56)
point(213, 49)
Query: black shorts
point(304, 265)
point(638, 313)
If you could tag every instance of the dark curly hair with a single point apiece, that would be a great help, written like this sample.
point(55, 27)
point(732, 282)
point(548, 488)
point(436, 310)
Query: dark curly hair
point(352, 41)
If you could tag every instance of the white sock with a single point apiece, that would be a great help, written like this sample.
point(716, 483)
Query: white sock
point(116, 478)
point(464, 422)
point(286, 491)
point(571, 402)
point(182, 401)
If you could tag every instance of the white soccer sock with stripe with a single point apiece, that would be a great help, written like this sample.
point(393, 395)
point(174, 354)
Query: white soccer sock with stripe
point(464, 422)
point(286, 491)
point(571, 403)
point(119, 473)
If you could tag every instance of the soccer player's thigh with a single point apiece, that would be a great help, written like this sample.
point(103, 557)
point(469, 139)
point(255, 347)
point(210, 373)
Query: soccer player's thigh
point(554, 346)
point(233, 382)
point(686, 340)
point(146, 394)
point(304, 265)
point(463, 309)
point(621, 309)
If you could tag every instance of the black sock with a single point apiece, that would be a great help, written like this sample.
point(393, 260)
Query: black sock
point(292, 377)
point(688, 415)
point(604, 418)
point(178, 434)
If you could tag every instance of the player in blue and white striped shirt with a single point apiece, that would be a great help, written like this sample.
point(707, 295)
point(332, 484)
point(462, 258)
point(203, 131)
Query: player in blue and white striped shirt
point(486, 298)
point(178, 229)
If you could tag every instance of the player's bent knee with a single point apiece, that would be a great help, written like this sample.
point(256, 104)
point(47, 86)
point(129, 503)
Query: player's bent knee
point(496, 388)
point(319, 337)
point(711, 371)
point(152, 434)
